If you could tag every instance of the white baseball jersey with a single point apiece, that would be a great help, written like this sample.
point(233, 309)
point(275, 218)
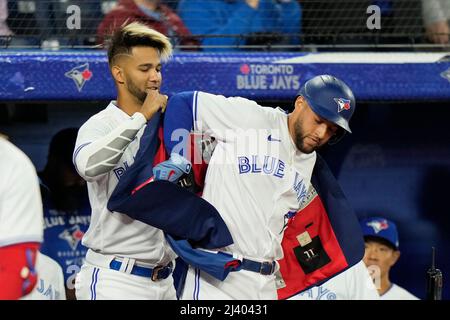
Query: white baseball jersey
point(106, 146)
point(353, 284)
point(396, 292)
point(21, 217)
point(255, 177)
point(50, 283)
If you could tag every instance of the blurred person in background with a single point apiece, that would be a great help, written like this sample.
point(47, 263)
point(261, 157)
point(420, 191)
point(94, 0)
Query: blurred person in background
point(4, 29)
point(436, 16)
point(354, 283)
point(67, 212)
point(251, 22)
point(381, 254)
point(20, 222)
point(153, 14)
point(50, 282)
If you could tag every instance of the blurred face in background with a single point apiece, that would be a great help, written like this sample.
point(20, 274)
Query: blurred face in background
point(380, 255)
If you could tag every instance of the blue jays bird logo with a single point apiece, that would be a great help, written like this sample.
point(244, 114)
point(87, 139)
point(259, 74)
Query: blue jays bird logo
point(80, 75)
point(378, 225)
point(73, 236)
point(343, 104)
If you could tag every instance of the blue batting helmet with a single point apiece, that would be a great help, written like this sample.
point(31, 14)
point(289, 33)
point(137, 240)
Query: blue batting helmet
point(331, 99)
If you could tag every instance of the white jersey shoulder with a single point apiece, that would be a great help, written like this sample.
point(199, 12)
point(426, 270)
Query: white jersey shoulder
point(101, 123)
point(352, 284)
point(50, 283)
point(398, 293)
point(21, 217)
point(221, 115)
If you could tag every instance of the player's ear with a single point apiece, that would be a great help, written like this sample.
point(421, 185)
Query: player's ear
point(298, 102)
point(117, 73)
point(395, 257)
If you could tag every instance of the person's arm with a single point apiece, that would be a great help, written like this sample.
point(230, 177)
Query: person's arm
point(21, 221)
point(215, 115)
point(99, 148)
point(206, 18)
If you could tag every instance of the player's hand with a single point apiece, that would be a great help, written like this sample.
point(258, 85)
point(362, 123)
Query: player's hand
point(154, 102)
point(172, 169)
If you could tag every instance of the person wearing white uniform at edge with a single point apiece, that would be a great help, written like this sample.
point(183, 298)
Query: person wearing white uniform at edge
point(126, 259)
point(261, 166)
point(21, 222)
point(381, 254)
point(50, 282)
point(352, 284)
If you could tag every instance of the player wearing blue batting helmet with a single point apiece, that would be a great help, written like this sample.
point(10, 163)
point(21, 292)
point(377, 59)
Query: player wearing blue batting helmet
point(331, 99)
point(322, 111)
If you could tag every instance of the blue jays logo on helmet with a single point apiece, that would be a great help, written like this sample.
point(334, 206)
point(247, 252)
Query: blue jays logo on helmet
point(80, 75)
point(378, 225)
point(73, 236)
point(322, 93)
point(343, 104)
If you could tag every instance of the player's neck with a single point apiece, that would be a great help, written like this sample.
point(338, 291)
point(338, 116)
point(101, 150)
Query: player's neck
point(385, 285)
point(290, 123)
point(128, 104)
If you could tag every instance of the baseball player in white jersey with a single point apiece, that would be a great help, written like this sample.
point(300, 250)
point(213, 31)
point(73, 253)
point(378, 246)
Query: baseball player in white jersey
point(259, 171)
point(21, 222)
point(381, 254)
point(127, 259)
point(50, 282)
point(352, 284)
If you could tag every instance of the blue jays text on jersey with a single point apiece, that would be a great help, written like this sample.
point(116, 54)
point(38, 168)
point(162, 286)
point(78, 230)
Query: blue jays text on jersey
point(319, 293)
point(47, 290)
point(120, 170)
point(253, 164)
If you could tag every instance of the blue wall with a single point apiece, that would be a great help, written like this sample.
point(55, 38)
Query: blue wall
point(397, 164)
